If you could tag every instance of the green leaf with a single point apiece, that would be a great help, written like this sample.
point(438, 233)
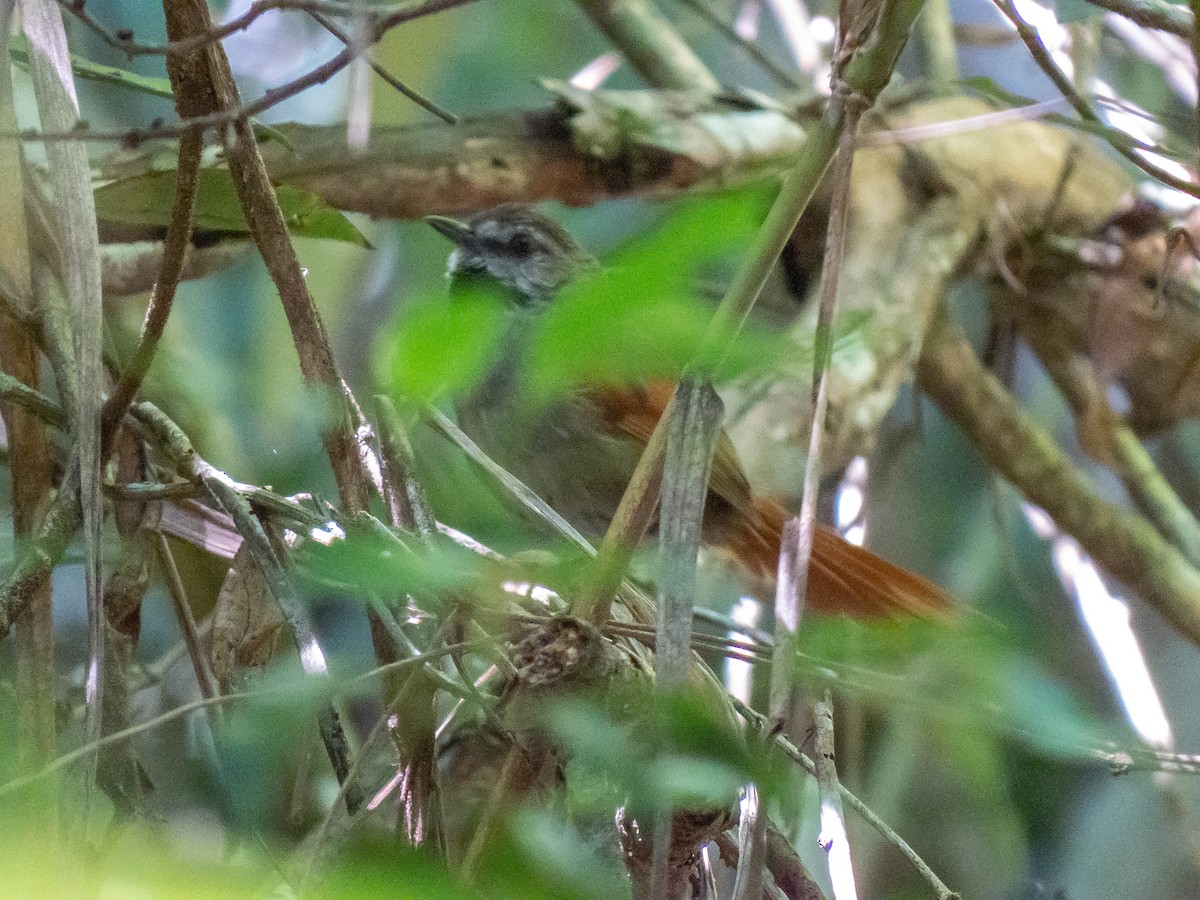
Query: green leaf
point(374, 564)
point(700, 757)
point(147, 200)
point(309, 216)
point(642, 317)
point(93, 71)
point(445, 345)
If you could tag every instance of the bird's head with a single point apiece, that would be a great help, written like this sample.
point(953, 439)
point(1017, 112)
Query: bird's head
point(512, 244)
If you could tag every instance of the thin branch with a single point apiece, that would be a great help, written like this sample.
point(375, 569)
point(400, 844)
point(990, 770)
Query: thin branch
point(422, 101)
point(593, 602)
point(68, 759)
point(1159, 14)
point(205, 680)
point(761, 722)
point(833, 837)
point(239, 112)
point(1124, 452)
point(410, 507)
point(32, 571)
point(225, 492)
point(938, 47)
point(393, 14)
point(21, 394)
point(1041, 56)
point(751, 49)
point(794, 565)
point(175, 247)
point(218, 94)
point(531, 501)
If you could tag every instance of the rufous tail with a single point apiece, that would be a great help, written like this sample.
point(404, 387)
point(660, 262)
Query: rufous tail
point(842, 577)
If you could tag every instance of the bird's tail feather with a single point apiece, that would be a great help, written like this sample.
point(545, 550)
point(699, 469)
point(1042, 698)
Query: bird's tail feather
point(843, 577)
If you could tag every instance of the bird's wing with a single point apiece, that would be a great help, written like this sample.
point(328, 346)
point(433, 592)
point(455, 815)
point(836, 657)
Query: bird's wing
point(843, 578)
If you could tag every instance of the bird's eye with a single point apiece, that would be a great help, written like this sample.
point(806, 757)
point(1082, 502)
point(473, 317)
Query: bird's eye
point(520, 244)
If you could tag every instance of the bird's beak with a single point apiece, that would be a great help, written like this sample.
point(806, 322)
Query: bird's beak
point(459, 232)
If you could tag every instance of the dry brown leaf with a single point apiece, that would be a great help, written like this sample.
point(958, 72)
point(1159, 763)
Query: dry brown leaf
point(246, 621)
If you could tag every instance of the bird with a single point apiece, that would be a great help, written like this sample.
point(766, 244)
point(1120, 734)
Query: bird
point(579, 452)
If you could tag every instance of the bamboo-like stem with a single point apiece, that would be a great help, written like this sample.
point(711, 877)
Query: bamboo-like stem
point(650, 44)
point(79, 254)
point(29, 452)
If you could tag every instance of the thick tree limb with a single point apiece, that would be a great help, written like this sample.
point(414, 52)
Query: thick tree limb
point(582, 150)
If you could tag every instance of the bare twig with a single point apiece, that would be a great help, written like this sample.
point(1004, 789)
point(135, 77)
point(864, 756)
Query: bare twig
point(409, 507)
point(238, 112)
point(217, 93)
point(1124, 452)
point(793, 570)
point(1159, 14)
point(171, 715)
point(751, 846)
point(727, 31)
point(187, 622)
point(179, 235)
point(20, 394)
point(761, 722)
point(833, 839)
point(225, 492)
point(393, 14)
point(32, 571)
point(938, 48)
point(422, 101)
point(1045, 62)
point(513, 485)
